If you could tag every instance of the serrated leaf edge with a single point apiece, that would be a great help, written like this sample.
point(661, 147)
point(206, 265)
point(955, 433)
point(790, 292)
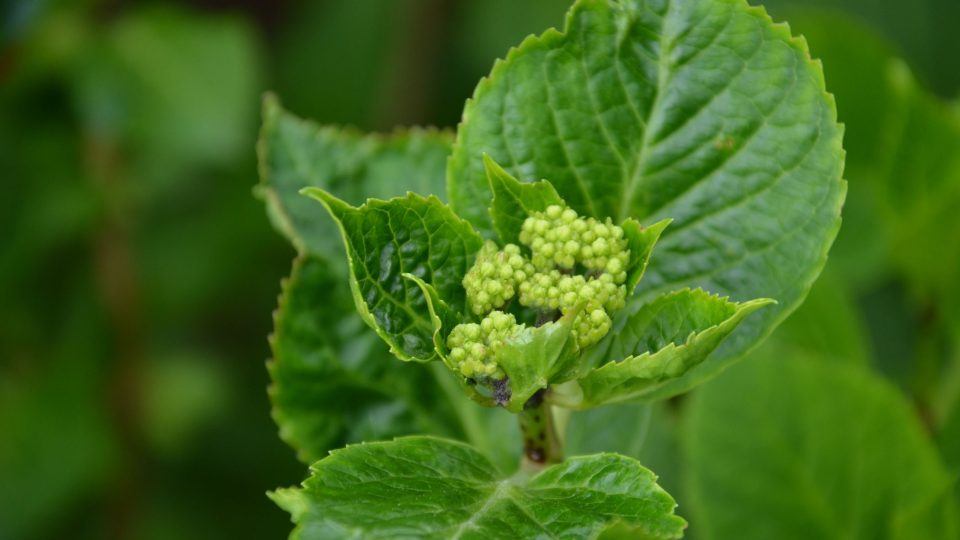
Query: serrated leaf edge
point(328, 200)
point(742, 310)
point(291, 500)
point(783, 29)
point(271, 112)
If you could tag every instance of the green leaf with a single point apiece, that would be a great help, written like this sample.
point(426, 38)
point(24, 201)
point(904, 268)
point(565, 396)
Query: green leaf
point(444, 319)
point(385, 239)
point(648, 433)
point(333, 381)
point(641, 241)
point(295, 154)
point(794, 448)
point(538, 357)
point(659, 342)
point(828, 325)
point(703, 111)
point(422, 487)
point(514, 200)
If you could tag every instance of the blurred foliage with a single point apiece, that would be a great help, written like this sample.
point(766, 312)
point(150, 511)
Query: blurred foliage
point(137, 272)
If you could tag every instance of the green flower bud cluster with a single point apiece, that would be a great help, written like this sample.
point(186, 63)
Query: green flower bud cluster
point(558, 237)
point(590, 326)
point(472, 345)
point(560, 243)
point(494, 277)
point(554, 290)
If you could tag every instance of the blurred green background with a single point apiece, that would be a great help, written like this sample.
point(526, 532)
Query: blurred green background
point(138, 272)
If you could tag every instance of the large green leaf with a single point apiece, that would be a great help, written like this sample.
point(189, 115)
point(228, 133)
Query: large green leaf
point(385, 239)
point(703, 111)
point(648, 433)
point(422, 487)
point(659, 342)
point(295, 154)
point(828, 325)
point(334, 382)
point(795, 448)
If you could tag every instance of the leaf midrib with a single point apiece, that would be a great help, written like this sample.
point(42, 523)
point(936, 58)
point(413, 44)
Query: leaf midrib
point(630, 186)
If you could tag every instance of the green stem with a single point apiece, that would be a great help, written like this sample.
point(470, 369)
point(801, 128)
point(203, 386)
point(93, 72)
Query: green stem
point(541, 444)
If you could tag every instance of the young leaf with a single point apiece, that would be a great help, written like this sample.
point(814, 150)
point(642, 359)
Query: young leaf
point(295, 154)
point(659, 342)
point(444, 319)
point(792, 448)
point(537, 357)
point(425, 487)
point(385, 239)
point(333, 381)
point(641, 241)
point(514, 201)
point(703, 111)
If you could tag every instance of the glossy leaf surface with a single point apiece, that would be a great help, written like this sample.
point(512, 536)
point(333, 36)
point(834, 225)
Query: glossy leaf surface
point(385, 239)
point(702, 111)
point(424, 487)
point(659, 342)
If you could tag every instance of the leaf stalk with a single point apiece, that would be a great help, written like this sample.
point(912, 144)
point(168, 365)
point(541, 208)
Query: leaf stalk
point(541, 442)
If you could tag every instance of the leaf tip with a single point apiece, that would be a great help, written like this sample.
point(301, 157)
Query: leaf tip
point(495, 172)
point(758, 303)
point(333, 204)
point(660, 225)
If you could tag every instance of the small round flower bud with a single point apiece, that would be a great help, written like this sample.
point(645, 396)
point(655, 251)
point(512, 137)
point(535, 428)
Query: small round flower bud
point(558, 240)
point(600, 247)
point(476, 357)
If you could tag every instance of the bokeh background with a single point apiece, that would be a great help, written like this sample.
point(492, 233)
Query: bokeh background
point(138, 272)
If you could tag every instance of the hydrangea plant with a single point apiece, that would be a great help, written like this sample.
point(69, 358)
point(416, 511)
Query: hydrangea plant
point(635, 202)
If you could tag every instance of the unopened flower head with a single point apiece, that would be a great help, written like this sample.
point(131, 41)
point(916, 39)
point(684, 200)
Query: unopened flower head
point(493, 278)
point(472, 346)
point(572, 264)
